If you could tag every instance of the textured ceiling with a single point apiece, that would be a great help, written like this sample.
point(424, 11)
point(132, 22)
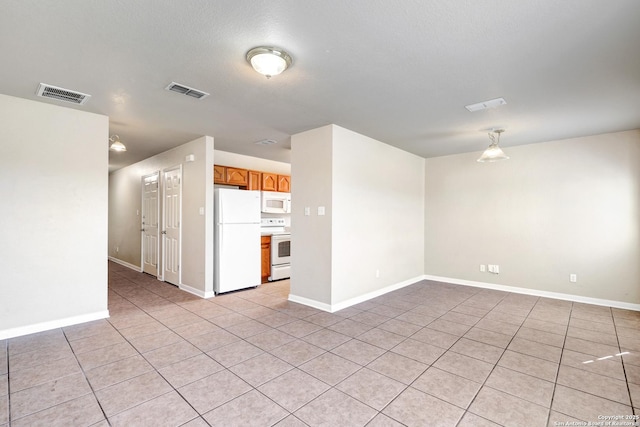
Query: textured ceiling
point(397, 71)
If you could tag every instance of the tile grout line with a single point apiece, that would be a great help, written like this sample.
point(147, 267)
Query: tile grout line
point(139, 298)
point(624, 370)
point(225, 367)
point(6, 350)
point(495, 364)
point(589, 372)
point(438, 358)
point(555, 383)
point(142, 355)
point(84, 374)
point(154, 368)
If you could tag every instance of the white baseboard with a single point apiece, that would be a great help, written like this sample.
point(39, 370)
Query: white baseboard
point(310, 302)
point(126, 264)
point(370, 295)
point(332, 308)
point(197, 292)
point(536, 292)
point(52, 324)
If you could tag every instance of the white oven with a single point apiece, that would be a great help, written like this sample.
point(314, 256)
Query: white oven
point(280, 256)
point(274, 202)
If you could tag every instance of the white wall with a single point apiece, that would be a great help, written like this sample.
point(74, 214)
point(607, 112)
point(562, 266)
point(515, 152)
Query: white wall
point(378, 215)
point(373, 196)
point(125, 199)
point(54, 216)
point(311, 186)
point(553, 209)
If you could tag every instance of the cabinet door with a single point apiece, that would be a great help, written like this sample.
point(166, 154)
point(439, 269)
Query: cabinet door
point(237, 176)
point(254, 180)
point(284, 183)
point(269, 181)
point(219, 174)
point(265, 251)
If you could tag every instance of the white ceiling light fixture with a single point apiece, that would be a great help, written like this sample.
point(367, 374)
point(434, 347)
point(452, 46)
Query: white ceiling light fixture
point(493, 153)
point(116, 145)
point(268, 60)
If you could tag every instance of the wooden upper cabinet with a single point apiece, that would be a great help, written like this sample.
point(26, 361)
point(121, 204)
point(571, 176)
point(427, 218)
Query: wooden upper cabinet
point(219, 174)
point(250, 179)
point(269, 181)
point(254, 180)
point(235, 176)
point(284, 183)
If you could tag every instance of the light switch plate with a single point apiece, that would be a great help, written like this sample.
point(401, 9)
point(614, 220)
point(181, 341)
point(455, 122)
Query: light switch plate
point(320, 210)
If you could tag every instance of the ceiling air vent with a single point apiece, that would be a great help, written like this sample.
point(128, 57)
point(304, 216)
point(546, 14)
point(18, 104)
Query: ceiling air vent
point(61, 94)
point(186, 90)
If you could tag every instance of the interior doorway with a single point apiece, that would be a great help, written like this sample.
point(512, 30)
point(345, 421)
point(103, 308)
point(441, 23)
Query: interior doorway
point(171, 220)
point(150, 223)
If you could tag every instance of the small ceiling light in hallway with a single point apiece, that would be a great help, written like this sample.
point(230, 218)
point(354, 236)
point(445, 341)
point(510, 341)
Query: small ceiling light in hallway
point(116, 145)
point(269, 61)
point(493, 153)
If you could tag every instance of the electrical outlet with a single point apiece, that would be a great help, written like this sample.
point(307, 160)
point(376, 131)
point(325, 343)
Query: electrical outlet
point(117, 249)
point(377, 274)
point(573, 278)
point(483, 268)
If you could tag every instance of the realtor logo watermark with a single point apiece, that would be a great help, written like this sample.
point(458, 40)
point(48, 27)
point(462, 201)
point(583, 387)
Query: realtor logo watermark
point(604, 421)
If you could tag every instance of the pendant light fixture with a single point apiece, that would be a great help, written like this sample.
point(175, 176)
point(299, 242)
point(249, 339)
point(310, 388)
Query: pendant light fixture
point(269, 61)
point(493, 153)
point(116, 145)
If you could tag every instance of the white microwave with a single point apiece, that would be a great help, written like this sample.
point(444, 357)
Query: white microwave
point(274, 202)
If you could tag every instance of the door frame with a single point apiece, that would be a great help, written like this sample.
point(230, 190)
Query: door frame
point(158, 240)
point(164, 225)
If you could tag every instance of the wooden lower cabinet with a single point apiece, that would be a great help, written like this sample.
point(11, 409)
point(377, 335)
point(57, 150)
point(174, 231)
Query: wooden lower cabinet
point(265, 252)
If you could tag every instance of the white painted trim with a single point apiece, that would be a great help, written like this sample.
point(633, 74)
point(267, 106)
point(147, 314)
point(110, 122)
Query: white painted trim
point(370, 295)
point(197, 292)
point(332, 308)
point(52, 324)
point(310, 302)
point(536, 292)
point(126, 264)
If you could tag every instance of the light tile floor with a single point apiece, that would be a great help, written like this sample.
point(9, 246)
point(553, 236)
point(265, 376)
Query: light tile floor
point(431, 354)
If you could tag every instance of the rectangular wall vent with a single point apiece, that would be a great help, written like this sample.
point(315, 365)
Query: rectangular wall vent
point(186, 90)
point(61, 94)
point(492, 103)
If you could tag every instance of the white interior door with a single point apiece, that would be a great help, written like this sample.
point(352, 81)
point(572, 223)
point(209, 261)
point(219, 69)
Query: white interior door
point(150, 225)
point(172, 218)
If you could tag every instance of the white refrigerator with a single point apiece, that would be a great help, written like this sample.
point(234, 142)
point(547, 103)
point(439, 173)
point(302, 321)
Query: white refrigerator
point(237, 239)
